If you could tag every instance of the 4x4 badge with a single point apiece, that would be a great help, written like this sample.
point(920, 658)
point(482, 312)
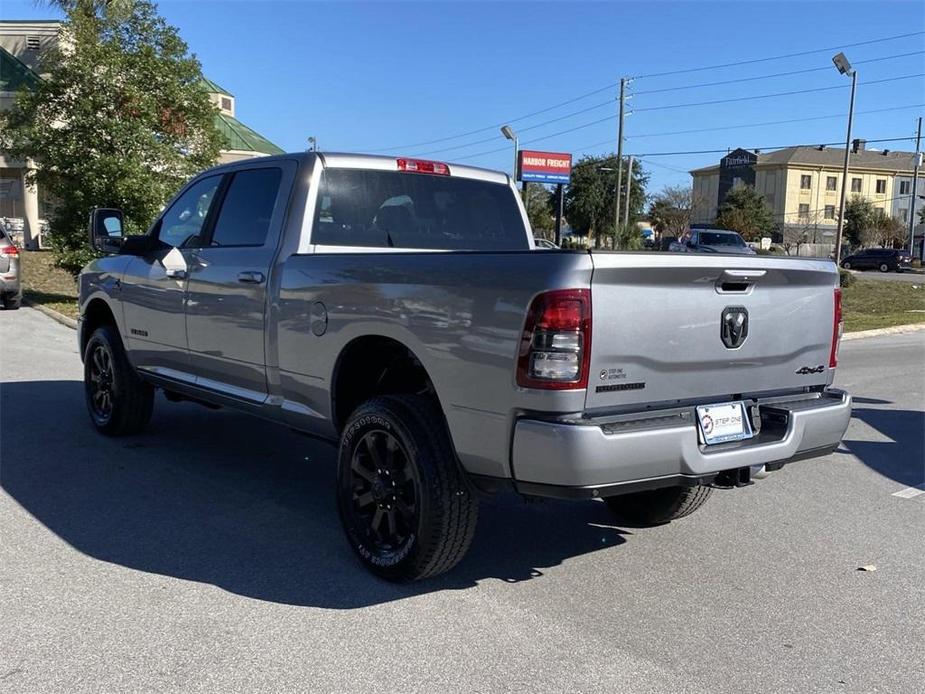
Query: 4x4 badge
point(806, 370)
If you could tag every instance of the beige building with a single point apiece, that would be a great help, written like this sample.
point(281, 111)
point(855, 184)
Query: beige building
point(23, 45)
point(802, 185)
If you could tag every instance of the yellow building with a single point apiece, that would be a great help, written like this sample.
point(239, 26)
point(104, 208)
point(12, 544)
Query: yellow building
point(802, 185)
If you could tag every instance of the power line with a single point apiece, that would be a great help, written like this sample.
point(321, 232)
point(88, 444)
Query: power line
point(770, 96)
point(613, 85)
point(776, 74)
point(754, 61)
point(677, 132)
point(771, 122)
point(650, 108)
point(773, 147)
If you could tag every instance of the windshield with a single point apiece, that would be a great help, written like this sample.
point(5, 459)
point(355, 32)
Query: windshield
point(719, 238)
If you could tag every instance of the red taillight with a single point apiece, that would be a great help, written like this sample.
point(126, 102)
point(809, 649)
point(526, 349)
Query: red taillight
point(422, 166)
point(555, 349)
point(9, 250)
point(837, 327)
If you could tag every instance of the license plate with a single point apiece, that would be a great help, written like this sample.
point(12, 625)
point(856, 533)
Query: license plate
point(724, 422)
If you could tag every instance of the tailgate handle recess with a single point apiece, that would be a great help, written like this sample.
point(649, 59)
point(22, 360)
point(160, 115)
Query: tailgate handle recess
point(737, 281)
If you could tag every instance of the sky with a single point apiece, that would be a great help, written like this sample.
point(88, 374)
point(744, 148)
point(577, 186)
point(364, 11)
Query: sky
point(393, 77)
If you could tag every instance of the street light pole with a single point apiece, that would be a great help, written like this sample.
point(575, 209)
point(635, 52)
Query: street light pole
point(616, 201)
point(629, 189)
point(844, 67)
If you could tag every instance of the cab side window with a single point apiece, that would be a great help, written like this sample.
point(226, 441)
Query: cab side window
point(244, 218)
point(182, 224)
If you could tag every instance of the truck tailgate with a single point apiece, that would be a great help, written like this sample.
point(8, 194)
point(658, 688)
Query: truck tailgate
point(657, 324)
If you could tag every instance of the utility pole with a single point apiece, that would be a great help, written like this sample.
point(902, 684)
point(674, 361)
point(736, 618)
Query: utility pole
point(629, 189)
point(616, 202)
point(915, 181)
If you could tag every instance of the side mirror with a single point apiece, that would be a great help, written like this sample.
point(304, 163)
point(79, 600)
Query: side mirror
point(106, 230)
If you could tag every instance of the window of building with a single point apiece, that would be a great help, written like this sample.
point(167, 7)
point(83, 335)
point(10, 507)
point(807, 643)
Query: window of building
point(881, 186)
point(804, 210)
point(855, 185)
point(831, 183)
point(226, 103)
point(904, 187)
point(244, 219)
point(903, 213)
point(830, 212)
point(33, 43)
point(806, 182)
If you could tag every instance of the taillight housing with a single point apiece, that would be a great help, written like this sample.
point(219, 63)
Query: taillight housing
point(423, 166)
point(10, 250)
point(555, 348)
point(838, 326)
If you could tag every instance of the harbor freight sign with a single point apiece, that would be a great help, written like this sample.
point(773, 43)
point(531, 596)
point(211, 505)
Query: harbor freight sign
point(544, 167)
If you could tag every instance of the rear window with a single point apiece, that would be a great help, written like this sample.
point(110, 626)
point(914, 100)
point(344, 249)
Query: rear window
point(390, 209)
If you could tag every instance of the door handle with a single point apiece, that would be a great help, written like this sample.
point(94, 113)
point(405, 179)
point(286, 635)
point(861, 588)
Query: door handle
point(175, 274)
point(251, 277)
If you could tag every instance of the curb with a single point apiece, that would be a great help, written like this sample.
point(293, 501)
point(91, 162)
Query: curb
point(51, 313)
point(895, 330)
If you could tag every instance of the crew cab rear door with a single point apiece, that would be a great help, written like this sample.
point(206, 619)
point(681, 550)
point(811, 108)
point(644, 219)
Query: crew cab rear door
point(229, 275)
point(658, 326)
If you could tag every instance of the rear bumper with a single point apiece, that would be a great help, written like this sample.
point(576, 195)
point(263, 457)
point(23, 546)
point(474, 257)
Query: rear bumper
point(620, 455)
point(9, 283)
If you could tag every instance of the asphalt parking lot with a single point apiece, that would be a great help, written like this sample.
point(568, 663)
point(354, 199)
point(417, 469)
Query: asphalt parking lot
point(205, 555)
point(913, 276)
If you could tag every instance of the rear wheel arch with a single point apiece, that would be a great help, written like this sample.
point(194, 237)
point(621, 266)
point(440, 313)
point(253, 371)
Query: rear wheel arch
point(375, 365)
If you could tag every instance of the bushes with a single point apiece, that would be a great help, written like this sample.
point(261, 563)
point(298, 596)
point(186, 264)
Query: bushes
point(845, 278)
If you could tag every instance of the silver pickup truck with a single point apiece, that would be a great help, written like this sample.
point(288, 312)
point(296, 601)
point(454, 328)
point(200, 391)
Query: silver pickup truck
point(398, 308)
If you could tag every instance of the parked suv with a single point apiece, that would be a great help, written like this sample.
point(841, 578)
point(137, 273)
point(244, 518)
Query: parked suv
point(711, 241)
point(10, 288)
point(883, 259)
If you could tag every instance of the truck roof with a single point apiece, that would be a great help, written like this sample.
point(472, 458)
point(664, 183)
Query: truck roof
point(347, 160)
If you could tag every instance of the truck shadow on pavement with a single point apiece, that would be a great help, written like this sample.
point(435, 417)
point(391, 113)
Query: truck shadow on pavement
point(903, 457)
point(243, 504)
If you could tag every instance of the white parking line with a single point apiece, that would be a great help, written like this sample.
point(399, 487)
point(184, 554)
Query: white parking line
point(910, 492)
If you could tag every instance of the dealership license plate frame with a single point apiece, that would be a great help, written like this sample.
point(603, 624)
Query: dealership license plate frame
point(713, 431)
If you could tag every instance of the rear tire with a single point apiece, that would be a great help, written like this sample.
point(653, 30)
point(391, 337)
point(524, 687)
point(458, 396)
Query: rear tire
point(404, 501)
point(118, 401)
point(659, 506)
point(11, 302)
point(884, 267)
point(846, 265)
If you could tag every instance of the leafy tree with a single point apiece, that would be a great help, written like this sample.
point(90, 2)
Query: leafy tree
point(889, 231)
point(589, 198)
point(540, 209)
point(670, 210)
point(860, 222)
point(745, 211)
point(121, 121)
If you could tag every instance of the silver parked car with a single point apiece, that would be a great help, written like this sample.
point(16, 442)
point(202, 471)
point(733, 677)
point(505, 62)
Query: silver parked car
point(711, 241)
point(10, 285)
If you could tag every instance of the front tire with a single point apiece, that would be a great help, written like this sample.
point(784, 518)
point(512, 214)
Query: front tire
point(11, 302)
point(405, 504)
point(884, 267)
point(846, 265)
point(659, 506)
point(118, 401)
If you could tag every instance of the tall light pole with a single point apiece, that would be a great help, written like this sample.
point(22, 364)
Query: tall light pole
point(915, 184)
point(844, 67)
point(508, 132)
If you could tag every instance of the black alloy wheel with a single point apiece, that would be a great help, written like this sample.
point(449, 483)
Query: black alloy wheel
point(384, 493)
